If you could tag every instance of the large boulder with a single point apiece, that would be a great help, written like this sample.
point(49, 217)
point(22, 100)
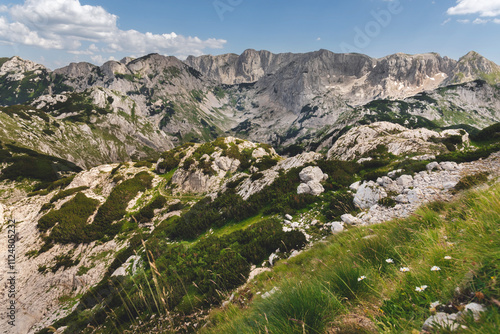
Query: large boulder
point(311, 177)
point(312, 173)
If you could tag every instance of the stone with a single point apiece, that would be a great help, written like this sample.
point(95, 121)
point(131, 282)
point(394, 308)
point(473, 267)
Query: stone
point(311, 187)
point(119, 272)
point(337, 227)
point(433, 165)
point(312, 173)
point(273, 257)
point(405, 181)
point(392, 174)
point(355, 186)
point(259, 153)
point(350, 219)
point(368, 194)
point(448, 165)
point(474, 308)
point(441, 319)
point(415, 196)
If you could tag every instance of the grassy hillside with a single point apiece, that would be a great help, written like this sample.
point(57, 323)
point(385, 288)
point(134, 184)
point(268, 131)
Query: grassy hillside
point(347, 285)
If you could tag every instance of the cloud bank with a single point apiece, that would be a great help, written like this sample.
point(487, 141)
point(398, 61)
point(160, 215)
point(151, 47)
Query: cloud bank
point(88, 30)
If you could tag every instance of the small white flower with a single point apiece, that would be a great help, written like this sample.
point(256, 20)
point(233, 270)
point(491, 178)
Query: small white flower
point(435, 268)
point(361, 278)
point(447, 257)
point(404, 269)
point(389, 260)
point(421, 288)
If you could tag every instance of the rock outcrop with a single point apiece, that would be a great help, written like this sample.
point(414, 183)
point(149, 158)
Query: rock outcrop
point(409, 192)
point(385, 137)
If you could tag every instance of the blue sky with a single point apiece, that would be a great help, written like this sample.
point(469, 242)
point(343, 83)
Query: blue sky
point(57, 32)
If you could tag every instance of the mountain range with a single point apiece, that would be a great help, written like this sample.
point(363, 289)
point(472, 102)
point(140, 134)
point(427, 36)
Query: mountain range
point(134, 108)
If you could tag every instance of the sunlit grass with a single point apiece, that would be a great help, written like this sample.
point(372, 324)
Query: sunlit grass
point(451, 250)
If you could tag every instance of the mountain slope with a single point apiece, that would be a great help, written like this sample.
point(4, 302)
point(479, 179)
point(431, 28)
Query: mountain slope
point(292, 101)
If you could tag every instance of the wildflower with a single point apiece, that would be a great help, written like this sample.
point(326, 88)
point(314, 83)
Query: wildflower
point(421, 288)
point(389, 260)
point(404, 269)
point(361, 278)
point(447, 257)
point(435, 268)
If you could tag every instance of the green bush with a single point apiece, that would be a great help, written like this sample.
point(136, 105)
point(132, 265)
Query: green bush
point(115, 206)
point(472, 180)
point(491, 133)
point(338, 203)
point(146, 214)
point(387, 202)
point(66, 193)
point(70, 221)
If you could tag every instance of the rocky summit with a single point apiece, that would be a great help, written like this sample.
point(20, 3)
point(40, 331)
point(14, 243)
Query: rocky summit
point(155, 195)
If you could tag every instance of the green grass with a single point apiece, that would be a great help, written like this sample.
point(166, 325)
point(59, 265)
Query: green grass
point(320, 289)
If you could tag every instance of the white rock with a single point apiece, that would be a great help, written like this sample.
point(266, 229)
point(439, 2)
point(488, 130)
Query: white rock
point(350, 219)
point(355, 186)
point(259, 153)
point(441, 319)
point(449, 165)
point(392, 174)
point(476, 310)
point(119, 272)
point(405, 181)
point(316, 188)
point(273, 257)
point(337, 227)
point(368, 194)
point(312, 173)
point(415, 196)
point(433, 165)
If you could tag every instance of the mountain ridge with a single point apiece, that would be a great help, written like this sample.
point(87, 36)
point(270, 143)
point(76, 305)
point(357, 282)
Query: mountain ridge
point(284, 99)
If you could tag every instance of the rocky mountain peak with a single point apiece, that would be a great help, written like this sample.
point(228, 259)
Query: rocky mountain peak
point(15, 68)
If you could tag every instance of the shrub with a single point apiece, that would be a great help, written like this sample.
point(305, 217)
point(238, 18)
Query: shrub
point(491, 133)
point(147, 212)
point(171, 160)
point(139, 164)
point(70, 221)
point(472, 180)
point(64, 261)
point(338, 204)
point(65, 193)
point(387, 202)
point(115, 206)
point(256, 176)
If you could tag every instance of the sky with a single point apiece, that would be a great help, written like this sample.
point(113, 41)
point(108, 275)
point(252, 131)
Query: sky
point(57, 32)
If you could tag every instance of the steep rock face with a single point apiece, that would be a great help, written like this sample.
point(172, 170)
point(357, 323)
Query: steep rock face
point(231, 69)
point(393, 138)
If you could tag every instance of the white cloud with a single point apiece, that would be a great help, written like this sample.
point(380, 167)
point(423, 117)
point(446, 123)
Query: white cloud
point(485, 8)
point(68, 25)
point(318, 39)
point(497, 21)
point(446, 21)
point(480, 21)
point(463, 21)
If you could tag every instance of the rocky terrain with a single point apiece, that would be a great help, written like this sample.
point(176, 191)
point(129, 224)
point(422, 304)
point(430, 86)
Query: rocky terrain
point(59, 262)
point(148, 192)
point(292, 101)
